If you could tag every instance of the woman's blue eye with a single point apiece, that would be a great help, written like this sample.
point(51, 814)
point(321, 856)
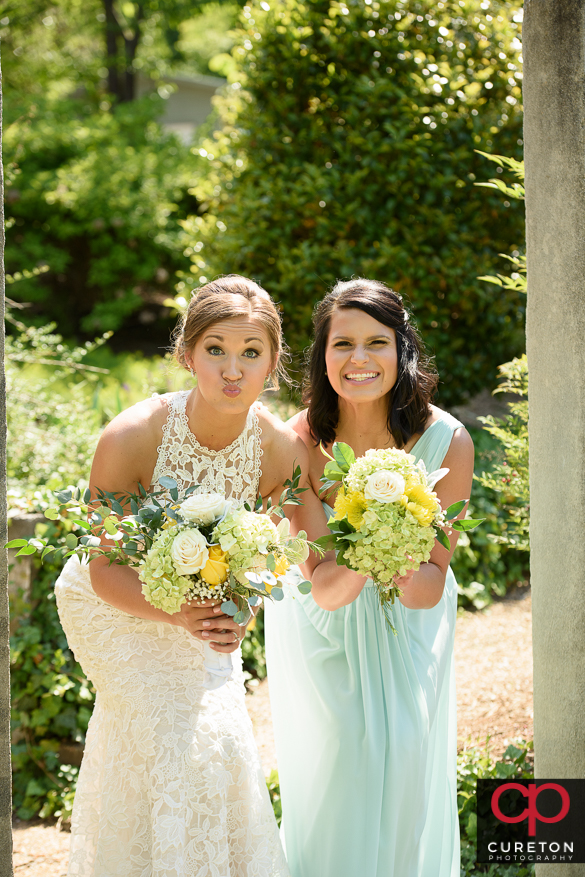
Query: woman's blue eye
point(215, 351)
point(251, 353)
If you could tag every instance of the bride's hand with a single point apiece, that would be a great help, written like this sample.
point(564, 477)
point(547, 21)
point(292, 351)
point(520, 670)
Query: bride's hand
point(206, 622)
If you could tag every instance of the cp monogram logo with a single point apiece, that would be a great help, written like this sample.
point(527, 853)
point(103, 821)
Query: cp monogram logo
point(531, 813)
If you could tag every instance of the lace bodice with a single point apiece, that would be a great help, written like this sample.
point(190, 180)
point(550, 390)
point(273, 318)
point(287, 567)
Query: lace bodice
point(233, 471)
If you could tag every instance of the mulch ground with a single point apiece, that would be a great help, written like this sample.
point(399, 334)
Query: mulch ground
point(493, 656)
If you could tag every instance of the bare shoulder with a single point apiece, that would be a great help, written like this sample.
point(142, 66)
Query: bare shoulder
point(126, 451)
point(278, 437)
point(300, 424)
point(282, 451)
point(138, 422)
point(461, 446)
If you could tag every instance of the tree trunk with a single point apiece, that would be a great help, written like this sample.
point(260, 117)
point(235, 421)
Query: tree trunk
point(112, 33)
point(5, 771)
point(121, 73)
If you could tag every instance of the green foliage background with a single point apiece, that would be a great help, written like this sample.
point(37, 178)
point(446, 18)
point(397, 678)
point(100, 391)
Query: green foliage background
point(98, 197)
point(346, 147)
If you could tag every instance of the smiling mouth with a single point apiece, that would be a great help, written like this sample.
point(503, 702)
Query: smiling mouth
point(360, 377)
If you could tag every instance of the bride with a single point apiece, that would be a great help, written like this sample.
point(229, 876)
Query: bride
point(171, 784)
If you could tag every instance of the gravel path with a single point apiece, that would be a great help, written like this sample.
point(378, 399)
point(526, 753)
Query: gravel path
point(493, 657)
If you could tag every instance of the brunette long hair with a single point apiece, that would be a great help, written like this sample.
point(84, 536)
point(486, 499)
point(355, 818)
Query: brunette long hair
point(410, 398)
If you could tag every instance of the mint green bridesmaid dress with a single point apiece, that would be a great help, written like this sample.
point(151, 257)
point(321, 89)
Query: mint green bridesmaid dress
point(365, 726)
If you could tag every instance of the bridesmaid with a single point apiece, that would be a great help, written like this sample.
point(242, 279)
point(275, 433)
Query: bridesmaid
point(365, 720)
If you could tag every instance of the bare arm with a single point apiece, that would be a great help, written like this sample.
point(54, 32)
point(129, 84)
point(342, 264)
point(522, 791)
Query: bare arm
point(124, 458)
point(423, 589)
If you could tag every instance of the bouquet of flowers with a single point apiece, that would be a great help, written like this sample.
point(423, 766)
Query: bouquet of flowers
point(387, 515)
point(195, 547)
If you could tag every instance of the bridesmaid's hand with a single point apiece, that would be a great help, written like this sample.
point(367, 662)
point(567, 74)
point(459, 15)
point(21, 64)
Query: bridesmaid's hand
point(206, 622)
point(403, 582)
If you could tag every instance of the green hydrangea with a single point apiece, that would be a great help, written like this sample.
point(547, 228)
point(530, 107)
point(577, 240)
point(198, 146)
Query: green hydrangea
point(390, 533)
point(162, 586)
point(248, 538)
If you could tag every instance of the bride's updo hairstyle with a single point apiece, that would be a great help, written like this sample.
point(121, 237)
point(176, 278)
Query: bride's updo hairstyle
point(410, 398)
point(226, 298)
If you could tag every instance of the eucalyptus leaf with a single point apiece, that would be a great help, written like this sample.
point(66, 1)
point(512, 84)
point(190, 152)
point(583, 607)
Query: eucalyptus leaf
point(116, 507)
point(229, 607)
point(86, 495)
point(271, 562)
point(305, 587)
point(254, 600)
point(71, 541)
point(167, 482)
point(47, 550)
point(80, 523)
point(277, 594)
point(240, 617)
point(111, 526)
point(52, 514)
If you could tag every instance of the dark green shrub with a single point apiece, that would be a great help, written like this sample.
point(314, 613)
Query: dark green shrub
point(348, 148)
point(52, 701)
point(484, 563)
point(97, 196)
point(476, 763)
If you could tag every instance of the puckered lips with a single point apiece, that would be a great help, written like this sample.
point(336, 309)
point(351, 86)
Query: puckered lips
point(231, 391)
point(360, 378)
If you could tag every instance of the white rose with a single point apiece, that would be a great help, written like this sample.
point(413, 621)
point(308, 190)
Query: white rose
point(189, 552)
point(204, 508)
point(384, 486)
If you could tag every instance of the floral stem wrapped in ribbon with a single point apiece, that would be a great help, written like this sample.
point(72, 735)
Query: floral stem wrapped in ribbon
point(197, 547)
point(387, 515)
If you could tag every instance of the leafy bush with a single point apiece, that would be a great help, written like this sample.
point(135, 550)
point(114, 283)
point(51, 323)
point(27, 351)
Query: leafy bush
point(347, 148)
point(97, 196)
point(484, 563)
point(51, 433)
point(476, 763)
point(52, 701)
point(509, 475)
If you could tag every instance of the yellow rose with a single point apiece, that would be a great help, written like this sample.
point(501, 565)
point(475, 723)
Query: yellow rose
point(281, 567)
point(215, 571)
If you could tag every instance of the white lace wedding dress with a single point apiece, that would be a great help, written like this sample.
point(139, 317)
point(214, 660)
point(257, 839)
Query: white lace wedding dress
point(171, 783)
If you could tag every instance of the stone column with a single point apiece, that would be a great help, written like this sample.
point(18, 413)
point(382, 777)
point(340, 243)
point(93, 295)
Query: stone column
point(554, 137)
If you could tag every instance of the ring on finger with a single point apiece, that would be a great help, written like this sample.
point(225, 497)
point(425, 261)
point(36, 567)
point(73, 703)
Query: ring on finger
point(236, 636)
